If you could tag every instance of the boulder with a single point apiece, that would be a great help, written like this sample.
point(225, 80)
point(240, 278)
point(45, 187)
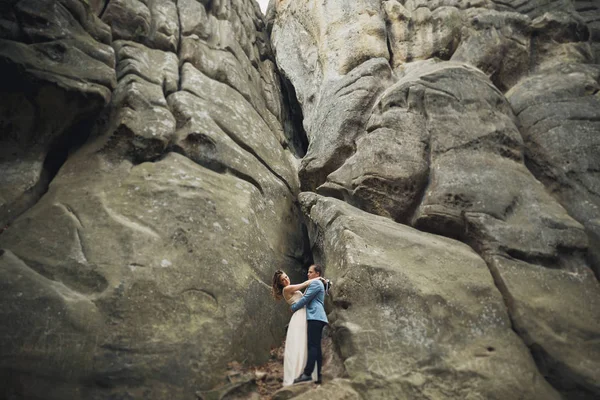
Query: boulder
point(558, 112)
point(155, 24)
point(171, 260)
point(416, 315)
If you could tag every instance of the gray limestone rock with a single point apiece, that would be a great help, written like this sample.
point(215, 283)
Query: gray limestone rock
point(555, 311)
point(340, 119)
point(150, 179)
point(153, 23)
point(171, 259)
point(144, 269)
point(437, 144)
point(558, 109)
point(337, 389)
point(498, 43)
point(58, 72)
point(416, 315)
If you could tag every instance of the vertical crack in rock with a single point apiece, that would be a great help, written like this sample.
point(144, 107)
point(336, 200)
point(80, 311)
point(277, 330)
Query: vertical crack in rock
point(294, 122)
point(388, 34)
point(532, 52)
point(106, 3)
point(560, 375)
point(478, 189)
point(178, 51)
point(250, 150)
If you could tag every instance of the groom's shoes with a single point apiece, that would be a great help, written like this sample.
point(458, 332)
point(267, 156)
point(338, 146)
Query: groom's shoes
point(303, 378)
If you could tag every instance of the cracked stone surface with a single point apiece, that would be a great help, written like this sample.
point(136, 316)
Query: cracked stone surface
point(472, 120)
point(416, 315)
point(151, 171)
point(59, 69)
point(142, 271)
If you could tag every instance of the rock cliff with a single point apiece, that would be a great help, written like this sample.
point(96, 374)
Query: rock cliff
point(144, 267)
point(153, 156)
point(476, 121)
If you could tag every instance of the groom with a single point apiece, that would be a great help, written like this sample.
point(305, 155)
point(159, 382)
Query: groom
point(316, 320)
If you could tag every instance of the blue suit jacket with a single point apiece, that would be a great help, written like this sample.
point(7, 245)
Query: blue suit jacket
point(313, 299)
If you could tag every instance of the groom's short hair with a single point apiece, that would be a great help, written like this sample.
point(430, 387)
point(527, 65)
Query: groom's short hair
point(318, 269)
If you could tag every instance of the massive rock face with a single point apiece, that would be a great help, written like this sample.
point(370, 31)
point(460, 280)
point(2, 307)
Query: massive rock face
point(417, 315)
point(58, 71)
point(473, 120)
point(144, 268)
point(151, 176)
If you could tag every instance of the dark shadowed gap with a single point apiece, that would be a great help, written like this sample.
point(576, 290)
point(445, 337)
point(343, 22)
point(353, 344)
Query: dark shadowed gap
point(101, 13)
point(560, 376)
point(293, 119)
point(66, 144)
point(56, 149)
point(307, 253)
point(58, 152)
point(593, 255)
point(388, 28)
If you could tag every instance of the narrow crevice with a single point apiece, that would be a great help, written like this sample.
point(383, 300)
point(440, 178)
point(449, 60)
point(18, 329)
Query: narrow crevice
point(532, 51)
point(250, 150)
point(62, 147)
point(58, 152)
point(216, 166)
point(388, 41)
point(593, 255)
point(558, 375)
point(307, 258)
point(293, 123)
point(505, 4)
point(180, 66)
point(101, 14)
point(419, 197)
point(180, 31)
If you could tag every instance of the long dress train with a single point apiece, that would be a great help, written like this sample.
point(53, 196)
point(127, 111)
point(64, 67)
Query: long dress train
point(296, 350)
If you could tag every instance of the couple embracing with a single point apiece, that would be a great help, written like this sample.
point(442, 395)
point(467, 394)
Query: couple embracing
point(303, 340)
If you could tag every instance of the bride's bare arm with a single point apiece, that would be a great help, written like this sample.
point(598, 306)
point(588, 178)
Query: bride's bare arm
point(300, 286)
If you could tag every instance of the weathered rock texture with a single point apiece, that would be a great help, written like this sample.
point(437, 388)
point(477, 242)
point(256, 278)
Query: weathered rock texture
point(417, 315)
point(144, 268)
point(58, 71)
point(474, 120)
point(149, 189)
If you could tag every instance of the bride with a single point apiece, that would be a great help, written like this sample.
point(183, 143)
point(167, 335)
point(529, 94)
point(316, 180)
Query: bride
point(294, 357)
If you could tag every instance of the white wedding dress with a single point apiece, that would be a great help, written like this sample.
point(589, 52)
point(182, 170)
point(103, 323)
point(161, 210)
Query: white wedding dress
point(296, 350)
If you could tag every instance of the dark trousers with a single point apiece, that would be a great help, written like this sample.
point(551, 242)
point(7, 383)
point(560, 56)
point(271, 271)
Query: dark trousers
point(315, 330)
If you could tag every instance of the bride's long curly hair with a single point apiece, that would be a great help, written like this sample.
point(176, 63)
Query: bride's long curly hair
point(277, 287)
